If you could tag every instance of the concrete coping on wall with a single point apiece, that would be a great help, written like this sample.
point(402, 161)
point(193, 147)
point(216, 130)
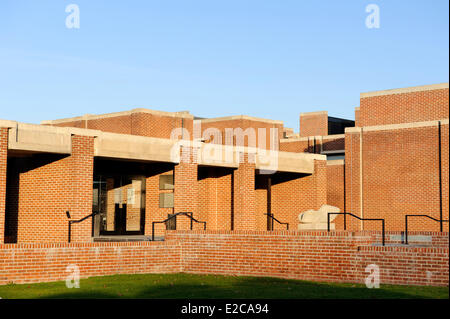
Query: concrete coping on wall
point(400, 126)
point(308, 138)
point(314, 113)
point(411, 89)
point(335, 162)
point(239, 117)
point(87, 117)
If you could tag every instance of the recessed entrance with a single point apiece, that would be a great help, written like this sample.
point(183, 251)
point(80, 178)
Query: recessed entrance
point(120, 204)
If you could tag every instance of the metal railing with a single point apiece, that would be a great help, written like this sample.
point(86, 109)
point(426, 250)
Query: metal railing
point(188, 214)
point(427, 216)
point(272, 219)
point(75, 222)
point(363, 219)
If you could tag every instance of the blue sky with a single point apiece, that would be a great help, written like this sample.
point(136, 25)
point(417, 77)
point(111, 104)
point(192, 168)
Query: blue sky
point(271, 59)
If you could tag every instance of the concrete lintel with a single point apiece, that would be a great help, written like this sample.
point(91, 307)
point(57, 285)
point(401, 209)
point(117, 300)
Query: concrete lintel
point(287, 162)
point(135, 147)
point(218, 155)
point(38, 138)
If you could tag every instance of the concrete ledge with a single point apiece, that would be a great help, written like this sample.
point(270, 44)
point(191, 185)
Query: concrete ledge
point(87, 117)
point(37, 138)
point(412, 89)
point(335, 162)
point(136, 148)
point(287, 162)
point(7, 123)
point(314, 113)
point(239, 117)
point(389, 127)
point(218, 155)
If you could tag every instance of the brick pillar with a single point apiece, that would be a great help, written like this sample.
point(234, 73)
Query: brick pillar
point(186, 187)
point(82, 174)
point(3, 161)
point(245, 195)
point(352, 178)
point(320, 182)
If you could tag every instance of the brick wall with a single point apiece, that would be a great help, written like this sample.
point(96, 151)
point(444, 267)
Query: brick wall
point(3, 170)
point(317, 256)
point(41, 188)
point(308, 255)
point(27, 263)
point(215, 197)
point(400, 176)
point(410, 107)
point(335, 189)
point(244, 211)
point(152, 210)
point(186, 187)
point(137, 123)
point(244, 124)
point(314, 144)
point(313, 124)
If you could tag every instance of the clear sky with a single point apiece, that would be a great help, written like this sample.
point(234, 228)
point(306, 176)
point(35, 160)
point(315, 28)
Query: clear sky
point(271, 59)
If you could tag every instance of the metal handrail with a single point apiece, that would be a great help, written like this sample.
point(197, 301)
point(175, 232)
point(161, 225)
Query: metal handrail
point(363, 219)
point(423, 215)
point(76, 221)
point(274, 219)
point(188, 214)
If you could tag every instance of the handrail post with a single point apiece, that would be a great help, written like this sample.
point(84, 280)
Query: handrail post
point(70, 231)
point(382, 222)
point(153, 231)
point(345, 221)
point(406, 229)
point(328, 222)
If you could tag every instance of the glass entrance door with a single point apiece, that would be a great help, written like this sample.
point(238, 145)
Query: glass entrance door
point(120, 203)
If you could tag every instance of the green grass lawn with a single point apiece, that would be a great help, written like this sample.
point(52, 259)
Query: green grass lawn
point(211, 286)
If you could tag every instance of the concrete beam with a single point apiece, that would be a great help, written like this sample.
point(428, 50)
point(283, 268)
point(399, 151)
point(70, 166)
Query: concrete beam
point(135, 147)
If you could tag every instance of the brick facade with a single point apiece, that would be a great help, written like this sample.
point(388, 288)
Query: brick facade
point(41, 188)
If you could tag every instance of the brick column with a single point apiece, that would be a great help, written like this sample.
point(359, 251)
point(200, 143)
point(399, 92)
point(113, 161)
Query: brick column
point(3, 161)
point(186, 187)
point(320, 182)
point(82, 173)
point(245, 195)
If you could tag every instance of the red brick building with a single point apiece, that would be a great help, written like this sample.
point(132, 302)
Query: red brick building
point(142, 166)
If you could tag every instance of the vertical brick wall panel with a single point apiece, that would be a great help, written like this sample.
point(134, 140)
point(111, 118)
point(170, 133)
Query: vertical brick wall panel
point(244, 195)
point(404, 108)
point(3, 173)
